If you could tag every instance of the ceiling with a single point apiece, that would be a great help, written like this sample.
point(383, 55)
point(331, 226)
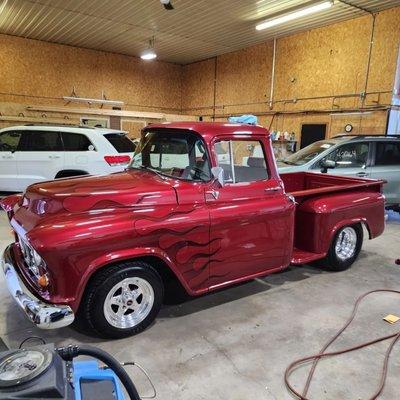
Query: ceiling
point(195, 30)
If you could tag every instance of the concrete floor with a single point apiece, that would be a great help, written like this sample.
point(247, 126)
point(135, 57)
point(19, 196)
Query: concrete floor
point(236, 344)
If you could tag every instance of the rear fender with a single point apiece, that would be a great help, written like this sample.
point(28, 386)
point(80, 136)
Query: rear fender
point(318, 219)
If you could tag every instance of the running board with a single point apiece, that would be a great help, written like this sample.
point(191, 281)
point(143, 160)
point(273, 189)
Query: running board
point(304, 257)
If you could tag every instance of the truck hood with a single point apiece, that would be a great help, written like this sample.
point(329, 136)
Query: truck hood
point(123, 189)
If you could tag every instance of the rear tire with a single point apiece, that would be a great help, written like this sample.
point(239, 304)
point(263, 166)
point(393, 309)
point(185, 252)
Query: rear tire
point(345, 247)
point(123, 300)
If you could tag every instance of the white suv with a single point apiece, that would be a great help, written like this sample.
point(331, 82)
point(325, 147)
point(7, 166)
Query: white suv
point(34, 153)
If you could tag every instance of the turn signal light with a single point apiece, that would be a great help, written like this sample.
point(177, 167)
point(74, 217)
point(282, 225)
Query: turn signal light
point(43, 281)
point(117, 160)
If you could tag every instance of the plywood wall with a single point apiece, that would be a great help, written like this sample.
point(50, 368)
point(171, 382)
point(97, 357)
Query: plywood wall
point(315, 71)
point(39, 73)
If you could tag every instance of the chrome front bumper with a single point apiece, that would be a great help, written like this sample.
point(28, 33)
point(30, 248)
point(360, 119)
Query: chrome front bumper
point(43, 315)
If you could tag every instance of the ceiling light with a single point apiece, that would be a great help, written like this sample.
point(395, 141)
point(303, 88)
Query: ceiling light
point(148, 54)
point(294, 15)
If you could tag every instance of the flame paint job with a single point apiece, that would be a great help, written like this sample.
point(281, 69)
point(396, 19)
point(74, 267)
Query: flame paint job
point(82, 224)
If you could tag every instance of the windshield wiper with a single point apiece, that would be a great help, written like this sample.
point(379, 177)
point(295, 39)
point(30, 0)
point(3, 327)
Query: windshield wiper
point(158, 173)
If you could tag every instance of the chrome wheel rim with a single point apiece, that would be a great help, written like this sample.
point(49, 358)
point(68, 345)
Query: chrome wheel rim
point(128, 303)
point(346, 243)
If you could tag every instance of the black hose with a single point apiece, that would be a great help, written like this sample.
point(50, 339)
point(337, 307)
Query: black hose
point(70, 352)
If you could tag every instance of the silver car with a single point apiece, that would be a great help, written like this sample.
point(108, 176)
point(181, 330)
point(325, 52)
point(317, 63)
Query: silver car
point(376, 157)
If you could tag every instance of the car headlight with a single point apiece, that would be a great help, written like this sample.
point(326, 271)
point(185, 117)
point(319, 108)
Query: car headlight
point(34, 262)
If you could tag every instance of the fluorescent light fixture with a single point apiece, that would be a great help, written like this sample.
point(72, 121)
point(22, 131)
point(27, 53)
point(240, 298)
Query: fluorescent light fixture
point(149, 54)
point(93, 101)
point(294, 15)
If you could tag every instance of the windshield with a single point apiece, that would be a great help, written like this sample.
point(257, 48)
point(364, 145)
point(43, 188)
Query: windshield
point(308, 153)
point(176, 154)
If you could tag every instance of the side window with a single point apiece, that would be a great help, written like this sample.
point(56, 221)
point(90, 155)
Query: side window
point(76, 142)
point(241, 160)
point(40, 141)
point(9, 140)
point(349, 155)
point(387, 153)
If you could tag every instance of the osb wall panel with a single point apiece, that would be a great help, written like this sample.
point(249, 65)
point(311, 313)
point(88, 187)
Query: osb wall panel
point(323, 62)
point(133, 127)
point(242, 76)
point(385, 50)
point(329, 61)
point(198, 84)
point(43, 70)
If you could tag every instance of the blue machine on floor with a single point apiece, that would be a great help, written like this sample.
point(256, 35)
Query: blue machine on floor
point(44, 372)
point(90, 381)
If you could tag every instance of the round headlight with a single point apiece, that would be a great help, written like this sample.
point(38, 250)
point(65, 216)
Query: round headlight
point(36, 258)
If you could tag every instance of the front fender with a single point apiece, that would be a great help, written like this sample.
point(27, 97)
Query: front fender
point(124, 255)
point(8, 203)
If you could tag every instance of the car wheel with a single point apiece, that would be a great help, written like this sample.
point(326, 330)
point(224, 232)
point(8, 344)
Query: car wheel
point(122, 300)
point(345, 247)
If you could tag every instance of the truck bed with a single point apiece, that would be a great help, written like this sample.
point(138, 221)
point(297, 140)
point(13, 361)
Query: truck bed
point(317, 195)
point(303, 185)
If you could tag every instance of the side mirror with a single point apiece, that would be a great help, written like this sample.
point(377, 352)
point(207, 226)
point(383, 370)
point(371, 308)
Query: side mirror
point(218, 174)
point(327, 164)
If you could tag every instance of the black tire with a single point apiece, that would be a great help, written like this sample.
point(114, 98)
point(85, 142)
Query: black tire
point(91, 317)
point(332, 261)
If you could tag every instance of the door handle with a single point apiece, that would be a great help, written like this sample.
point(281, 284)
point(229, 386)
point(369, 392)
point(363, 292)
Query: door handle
point(213, 193)
point(273, 189)
point(8, 157)
point(54, 157)
point(361, 174)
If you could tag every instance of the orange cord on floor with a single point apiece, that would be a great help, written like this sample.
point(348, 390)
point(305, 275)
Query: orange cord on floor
point(317, 357)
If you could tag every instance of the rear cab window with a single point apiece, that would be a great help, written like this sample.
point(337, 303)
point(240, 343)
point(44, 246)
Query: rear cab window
point(120, 142)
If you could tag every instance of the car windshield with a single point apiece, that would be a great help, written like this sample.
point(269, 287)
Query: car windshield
point(175, 154)
point(308, 153)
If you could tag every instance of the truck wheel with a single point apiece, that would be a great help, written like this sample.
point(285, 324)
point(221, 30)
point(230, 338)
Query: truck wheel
point(345, 248)
point(121, 301)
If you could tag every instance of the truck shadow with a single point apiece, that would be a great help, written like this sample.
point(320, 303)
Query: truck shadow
point(177, 303)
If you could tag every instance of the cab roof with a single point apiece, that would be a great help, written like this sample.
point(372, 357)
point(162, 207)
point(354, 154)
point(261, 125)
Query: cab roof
point(211, 129)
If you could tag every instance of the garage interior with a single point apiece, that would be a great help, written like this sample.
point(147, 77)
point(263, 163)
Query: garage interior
point(335, 72)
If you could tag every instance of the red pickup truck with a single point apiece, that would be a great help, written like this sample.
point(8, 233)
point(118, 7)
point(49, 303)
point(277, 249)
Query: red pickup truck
point(198, 205)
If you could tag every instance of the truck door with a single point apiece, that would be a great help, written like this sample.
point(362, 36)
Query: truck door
point(251, 217)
